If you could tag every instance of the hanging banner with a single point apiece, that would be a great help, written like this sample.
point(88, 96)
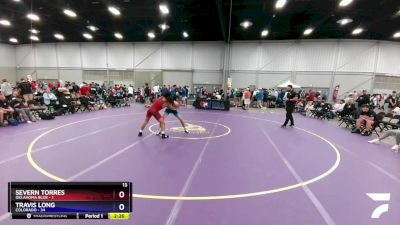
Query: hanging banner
point(335, 93)
point(229, 82)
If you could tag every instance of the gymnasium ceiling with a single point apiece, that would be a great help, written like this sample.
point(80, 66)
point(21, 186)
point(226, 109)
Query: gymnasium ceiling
point(202, 20)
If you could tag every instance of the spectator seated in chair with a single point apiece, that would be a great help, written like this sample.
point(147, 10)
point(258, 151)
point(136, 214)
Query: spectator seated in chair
point(368, 119)
point(338, 107)
point(49, 99)
point(21, 108)
point(5, 109)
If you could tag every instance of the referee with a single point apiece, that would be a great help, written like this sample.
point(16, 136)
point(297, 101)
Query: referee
point(291, 98)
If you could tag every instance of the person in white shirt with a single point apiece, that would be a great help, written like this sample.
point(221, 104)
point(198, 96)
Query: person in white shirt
point(130, 93)
point(338, 107)
point(48, 97)
point(6, 89)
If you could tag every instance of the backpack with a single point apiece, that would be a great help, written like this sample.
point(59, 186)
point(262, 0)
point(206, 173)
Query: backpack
point(46, 116)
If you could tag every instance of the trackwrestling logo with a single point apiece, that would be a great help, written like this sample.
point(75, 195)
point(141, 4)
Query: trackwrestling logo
point(192, 128)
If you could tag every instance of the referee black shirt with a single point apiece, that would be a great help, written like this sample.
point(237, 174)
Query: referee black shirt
point(291, 95)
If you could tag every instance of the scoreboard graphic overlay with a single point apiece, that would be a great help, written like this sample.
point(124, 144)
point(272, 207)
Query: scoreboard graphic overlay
point(71, 200)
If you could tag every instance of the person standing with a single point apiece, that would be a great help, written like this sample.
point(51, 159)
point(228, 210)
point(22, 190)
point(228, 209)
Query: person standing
point(26, 90)
point(6, 89)
point(291, 98)
point(247, 99)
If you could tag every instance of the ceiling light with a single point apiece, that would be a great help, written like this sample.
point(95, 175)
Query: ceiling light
point(33, 17)
point(344, 3)
point(264, 33)
point(357, 31)
point(5, 22)
point(34, 31)
point(151, 35)
point(185, 34)
point(87, 36)
point(308, 31)
point(344, 21)
point(245, 24)
point(34, 38)
point(396, 35)
point(59, 36)
point(118, 35)
point(280, 4)
point(69, 13)
point(164, 9)
point(13, 40)
point(114, 10)
point(16, 0)
point(163, 26)
point(92, 28)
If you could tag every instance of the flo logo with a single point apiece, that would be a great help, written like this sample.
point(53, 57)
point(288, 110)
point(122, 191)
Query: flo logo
point(192, 128)
point(380, 197)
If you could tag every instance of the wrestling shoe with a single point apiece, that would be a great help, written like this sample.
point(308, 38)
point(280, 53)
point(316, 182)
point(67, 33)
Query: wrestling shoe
point(164, 136)
point(375, 141)
point(140, 134)
point(395, 148)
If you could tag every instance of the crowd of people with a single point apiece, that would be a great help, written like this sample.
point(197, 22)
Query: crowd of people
point(28, 100)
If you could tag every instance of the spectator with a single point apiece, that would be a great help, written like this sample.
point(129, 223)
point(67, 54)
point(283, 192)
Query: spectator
point(390, 103)
point(394, 133)
point(363, 99)
point(368, 118)
point(260, 98)
point(5, 109)
point(26, 90)
point(247, 99)
point(21, 108)
point(84, 90)
point(6, 89)
point(48, 97)
point(311, 96)
point(338, 107)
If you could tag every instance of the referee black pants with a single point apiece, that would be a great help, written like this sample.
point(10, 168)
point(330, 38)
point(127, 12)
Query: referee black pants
point(289, 116)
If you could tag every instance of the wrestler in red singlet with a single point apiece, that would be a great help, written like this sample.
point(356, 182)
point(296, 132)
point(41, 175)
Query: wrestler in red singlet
point(154, 110)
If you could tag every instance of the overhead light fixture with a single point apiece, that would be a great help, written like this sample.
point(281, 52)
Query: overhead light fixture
point(5, 22)
point(13, 40)
point(264, 33)
point(396, 35)
point(34, 31)
point(114, 10)
point(33, 17)
point(16, 0)
point(164, 9)
point(344, 21)
point(308, 31)
point(185, 34)
point(59, 36)
point(87, 36)
point(151, 35)
point(92, 28)
point(118, 35)
point(344, 3)
point(246, 24)
point(280, 4)
point(163, 26)
point(34, 38)
point(357, 31)
point(69, 13)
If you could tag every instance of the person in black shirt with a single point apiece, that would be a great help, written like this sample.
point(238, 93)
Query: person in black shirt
point(363, 99)
point(291, 99)
point(368, 118)
point(5, 108)
point(26, 89)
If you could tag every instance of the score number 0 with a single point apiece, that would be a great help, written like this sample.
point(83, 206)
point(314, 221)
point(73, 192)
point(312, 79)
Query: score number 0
point(121, 195)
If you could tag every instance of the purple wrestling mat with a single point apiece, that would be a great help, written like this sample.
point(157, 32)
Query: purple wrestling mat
point(234, 168)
